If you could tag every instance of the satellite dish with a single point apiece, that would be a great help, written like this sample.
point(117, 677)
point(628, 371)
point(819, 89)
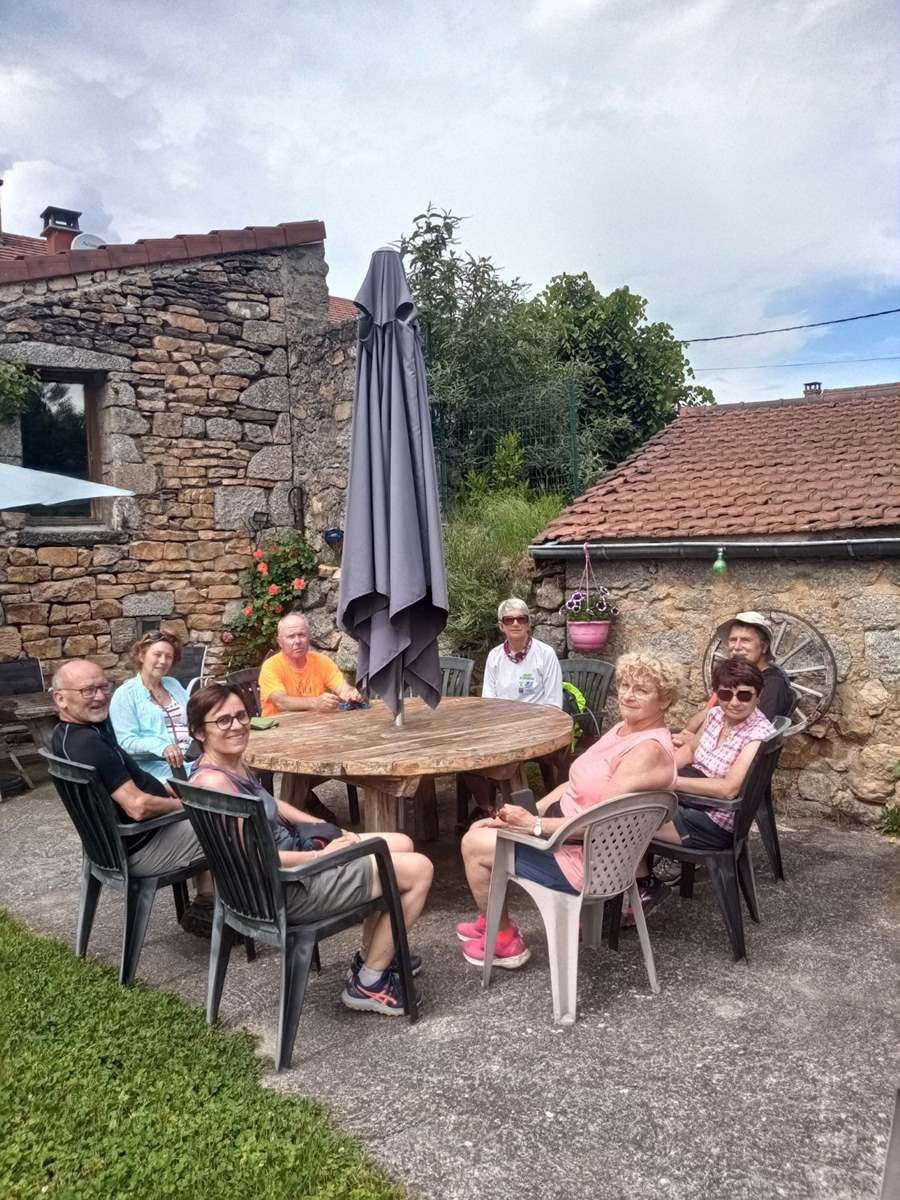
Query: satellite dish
point(87, 241)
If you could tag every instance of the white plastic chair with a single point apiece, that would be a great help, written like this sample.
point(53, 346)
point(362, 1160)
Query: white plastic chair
point(616, 834)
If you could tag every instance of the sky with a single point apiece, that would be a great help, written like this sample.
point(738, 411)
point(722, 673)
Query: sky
point(735, 163)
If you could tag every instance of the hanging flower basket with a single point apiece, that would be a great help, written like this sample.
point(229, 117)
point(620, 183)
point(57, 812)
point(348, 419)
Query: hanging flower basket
point(589, 612)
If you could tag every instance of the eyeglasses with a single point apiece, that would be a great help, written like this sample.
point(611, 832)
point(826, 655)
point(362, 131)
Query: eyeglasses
point(88, 693)
point(742, 694)
point(227, 720)
point(515, 620)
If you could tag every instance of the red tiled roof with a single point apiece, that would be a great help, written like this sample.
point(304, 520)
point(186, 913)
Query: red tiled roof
point(31, 263)
point(801, 466)
point(14, 244)
point(340, 310)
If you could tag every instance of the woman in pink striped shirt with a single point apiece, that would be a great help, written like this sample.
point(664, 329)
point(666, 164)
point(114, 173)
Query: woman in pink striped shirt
point(715, 760)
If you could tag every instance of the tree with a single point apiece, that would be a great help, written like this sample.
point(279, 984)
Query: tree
point(497, 361)
point(634, 375)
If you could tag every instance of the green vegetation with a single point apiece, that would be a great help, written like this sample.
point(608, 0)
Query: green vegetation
point(108, 1093)
point(273, 587)
point(889, 821)
point(499, 362)
point(486, 540)
point(19, 387)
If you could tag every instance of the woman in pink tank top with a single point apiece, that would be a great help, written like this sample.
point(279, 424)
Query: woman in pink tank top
point(636, 755)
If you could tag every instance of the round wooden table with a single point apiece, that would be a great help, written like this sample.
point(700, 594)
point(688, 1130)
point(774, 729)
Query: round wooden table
point(364, 747)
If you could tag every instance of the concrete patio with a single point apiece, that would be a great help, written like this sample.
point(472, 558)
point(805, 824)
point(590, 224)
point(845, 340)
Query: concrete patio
point(762, 1079)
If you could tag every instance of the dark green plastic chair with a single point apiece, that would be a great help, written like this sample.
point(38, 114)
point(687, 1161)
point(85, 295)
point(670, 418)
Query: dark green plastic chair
point(730, 869)
point(456, 675)
point(250, 900)
point(593, 678)
point(765, 815)
point(103, 839)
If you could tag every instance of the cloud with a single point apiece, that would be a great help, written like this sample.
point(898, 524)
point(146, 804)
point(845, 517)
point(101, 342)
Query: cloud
point(734, 163)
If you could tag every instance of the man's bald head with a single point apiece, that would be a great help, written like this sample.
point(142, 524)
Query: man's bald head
point(293, 638)
point(81, 692)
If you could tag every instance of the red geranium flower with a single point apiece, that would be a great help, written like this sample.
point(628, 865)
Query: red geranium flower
point(227, 637)
point(298, 585)
point(248, 611)
point(278, 608)
point(259, 554)
point(273, 589)
point(262, 568)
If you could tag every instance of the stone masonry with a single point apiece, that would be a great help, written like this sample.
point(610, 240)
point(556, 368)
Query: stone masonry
point(223, 402)
point(846, 762)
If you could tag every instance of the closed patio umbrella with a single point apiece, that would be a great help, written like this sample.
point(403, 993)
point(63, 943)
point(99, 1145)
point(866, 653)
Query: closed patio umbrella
point(20, 486)
point(393, 596)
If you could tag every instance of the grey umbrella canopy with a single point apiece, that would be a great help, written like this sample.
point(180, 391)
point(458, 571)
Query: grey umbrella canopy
point(393, 586)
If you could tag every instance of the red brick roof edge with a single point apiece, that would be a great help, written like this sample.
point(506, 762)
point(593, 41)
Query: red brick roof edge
point(157, 250)
point(773, 468)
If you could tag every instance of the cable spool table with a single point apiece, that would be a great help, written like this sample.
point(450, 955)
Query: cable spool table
point(363, 747)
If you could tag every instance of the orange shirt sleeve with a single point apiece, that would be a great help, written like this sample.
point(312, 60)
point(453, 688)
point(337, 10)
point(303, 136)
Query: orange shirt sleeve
point(333, 675)
point(270, 680)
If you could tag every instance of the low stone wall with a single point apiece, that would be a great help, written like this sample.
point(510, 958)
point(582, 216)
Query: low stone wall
point(846, 761)
point(222, 400)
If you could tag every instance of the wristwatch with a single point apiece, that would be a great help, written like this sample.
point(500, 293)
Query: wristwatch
point(538, 828)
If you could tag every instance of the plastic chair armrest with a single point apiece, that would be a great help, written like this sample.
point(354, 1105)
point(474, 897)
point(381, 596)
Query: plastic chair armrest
point(327, 862)
point(689, 800)
point(524, 839)
point(135, 827)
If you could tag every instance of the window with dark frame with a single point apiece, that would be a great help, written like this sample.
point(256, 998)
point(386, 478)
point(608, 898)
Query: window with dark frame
point(59, 434)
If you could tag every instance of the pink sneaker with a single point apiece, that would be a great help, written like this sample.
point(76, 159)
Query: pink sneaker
point(510, 950)
point(468, 931)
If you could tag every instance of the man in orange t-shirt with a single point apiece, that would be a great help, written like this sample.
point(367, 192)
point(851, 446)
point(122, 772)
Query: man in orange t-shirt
point(298, 679)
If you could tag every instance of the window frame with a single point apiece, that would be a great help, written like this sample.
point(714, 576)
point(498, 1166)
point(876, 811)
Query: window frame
point(93, 383)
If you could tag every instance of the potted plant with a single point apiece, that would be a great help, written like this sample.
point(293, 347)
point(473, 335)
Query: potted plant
point(588, 617)
point(588, 611)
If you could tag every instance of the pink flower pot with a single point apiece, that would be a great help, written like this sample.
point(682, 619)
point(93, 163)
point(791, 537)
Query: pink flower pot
point(587, 635)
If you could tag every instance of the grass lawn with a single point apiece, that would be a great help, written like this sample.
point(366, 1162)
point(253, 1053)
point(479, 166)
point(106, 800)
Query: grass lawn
point(113, 1092)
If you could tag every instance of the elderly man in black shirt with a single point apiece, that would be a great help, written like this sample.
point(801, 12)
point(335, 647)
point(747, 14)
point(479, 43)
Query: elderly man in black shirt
point(749, 636)
point(84, 734)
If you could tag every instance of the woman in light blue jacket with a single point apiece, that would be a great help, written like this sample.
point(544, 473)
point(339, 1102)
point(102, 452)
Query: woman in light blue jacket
point(149, 712)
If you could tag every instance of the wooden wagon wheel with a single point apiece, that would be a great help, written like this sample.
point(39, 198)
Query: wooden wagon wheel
point(802, 653)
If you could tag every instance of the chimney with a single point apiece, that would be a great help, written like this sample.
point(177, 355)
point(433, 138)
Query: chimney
point(60, 228)
point(812, 389)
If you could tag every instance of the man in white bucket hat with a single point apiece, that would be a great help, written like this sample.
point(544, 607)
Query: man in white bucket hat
point(748, 635)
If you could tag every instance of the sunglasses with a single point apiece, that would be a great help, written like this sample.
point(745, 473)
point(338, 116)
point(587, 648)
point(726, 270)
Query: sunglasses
point(227, 719)
point(515, 620)
point(743, 694)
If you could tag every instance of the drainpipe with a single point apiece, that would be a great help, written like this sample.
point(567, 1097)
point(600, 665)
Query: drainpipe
point(852, 547)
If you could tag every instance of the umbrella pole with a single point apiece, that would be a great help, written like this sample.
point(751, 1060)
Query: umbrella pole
point(398, 720)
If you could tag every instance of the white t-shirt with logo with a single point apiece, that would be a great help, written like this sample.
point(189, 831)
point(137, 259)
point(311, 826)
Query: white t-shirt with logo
point(537, 679)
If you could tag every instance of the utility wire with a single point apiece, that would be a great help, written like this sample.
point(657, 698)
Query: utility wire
point(821, 362)
point(728, 337)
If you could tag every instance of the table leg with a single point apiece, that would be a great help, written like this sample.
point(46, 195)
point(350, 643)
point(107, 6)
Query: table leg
point(293, 789)
point(381, 811)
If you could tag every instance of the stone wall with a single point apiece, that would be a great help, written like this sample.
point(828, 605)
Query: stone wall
point(846, 762)
point(219, 388)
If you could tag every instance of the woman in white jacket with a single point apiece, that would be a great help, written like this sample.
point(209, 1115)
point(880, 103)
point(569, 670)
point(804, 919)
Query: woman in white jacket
point(149, 712)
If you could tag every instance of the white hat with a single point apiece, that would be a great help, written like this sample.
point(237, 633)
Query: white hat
point(755, 619)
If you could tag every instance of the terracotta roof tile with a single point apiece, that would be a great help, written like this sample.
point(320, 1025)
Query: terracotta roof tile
point(803, 466)
point(340, 310)
point(19, 255)
point(14, 244)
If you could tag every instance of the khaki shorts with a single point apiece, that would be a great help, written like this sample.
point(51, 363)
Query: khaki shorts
point(331, 892)
point(170, 849)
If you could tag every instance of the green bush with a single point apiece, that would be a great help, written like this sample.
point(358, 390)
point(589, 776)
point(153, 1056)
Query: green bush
point(274, 586)
point(109, 1092)
point(486, 547)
